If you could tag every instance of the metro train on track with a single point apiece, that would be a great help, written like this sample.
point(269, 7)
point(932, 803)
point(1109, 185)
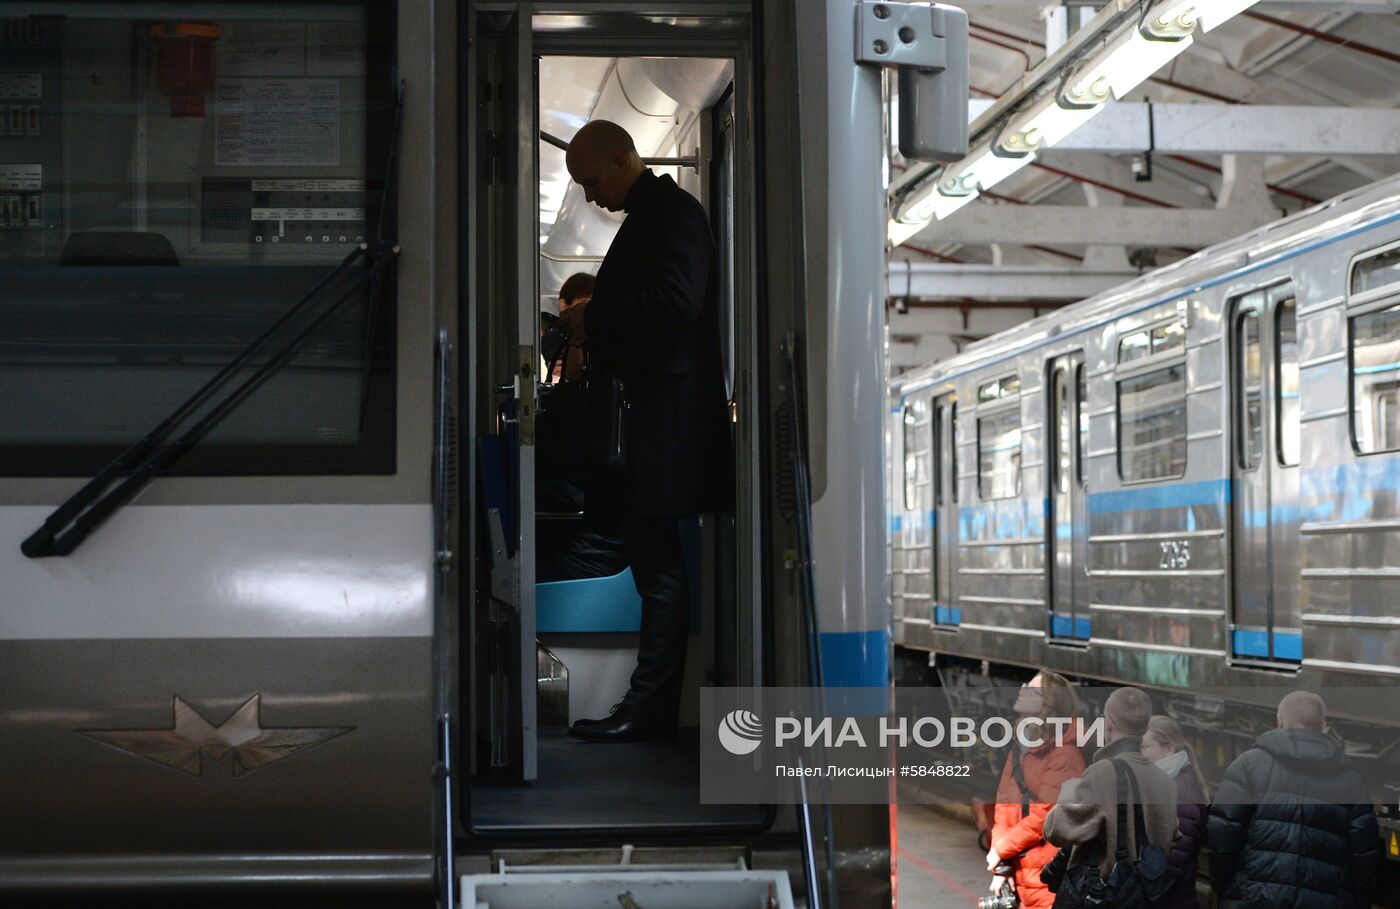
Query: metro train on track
point(1186, 483)
point(289, 639)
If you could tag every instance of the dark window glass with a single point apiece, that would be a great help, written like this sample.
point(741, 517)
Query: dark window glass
point(1375, 380)
point(1250, 391)
point(1082, 395)
point(1289, 426)
point(1377, 271)
point(1152, 425)
point(999, 454)
point(180, 184)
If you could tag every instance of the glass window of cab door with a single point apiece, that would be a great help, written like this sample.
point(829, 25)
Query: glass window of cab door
point(175, 186)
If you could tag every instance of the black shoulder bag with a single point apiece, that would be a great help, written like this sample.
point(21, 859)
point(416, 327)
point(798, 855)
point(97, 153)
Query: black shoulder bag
point(1133, 882)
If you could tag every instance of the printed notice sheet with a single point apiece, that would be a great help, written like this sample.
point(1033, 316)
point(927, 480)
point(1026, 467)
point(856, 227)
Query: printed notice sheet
point(278, 121)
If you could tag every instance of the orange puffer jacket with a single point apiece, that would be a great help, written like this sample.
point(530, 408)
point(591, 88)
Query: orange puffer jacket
point(1016, 834)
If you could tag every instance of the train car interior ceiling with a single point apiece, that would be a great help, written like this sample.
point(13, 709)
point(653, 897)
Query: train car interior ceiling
point(681, 112)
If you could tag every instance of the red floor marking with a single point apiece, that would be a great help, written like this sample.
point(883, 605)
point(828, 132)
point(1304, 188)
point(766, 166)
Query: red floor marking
point(937, 875)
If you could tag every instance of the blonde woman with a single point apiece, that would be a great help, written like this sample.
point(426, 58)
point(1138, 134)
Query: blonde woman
point(1166, 744)
point(1030, 786)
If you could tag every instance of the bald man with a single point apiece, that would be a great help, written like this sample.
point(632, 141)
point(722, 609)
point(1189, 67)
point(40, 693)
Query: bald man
point(1293, 826)
point(652, 325)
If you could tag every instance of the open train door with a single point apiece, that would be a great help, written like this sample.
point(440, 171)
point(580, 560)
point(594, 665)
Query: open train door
point(507, 313)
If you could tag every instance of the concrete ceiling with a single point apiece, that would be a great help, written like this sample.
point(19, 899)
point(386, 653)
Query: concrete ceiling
point(1342, 55)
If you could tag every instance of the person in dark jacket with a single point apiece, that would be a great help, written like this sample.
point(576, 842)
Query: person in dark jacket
point(653, 323)
point(1165, 744)
point(1292, 826)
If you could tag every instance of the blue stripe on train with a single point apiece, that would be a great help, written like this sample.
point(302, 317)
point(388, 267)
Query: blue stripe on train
point(947, 615)
point(1288, 645)
point(1063, 626)
point(1174, 495)
point(856, 659)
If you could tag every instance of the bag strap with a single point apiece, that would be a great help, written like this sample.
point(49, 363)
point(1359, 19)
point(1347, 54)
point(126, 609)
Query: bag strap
point(1125, 773)
point(1020, 777)
point(563, 355)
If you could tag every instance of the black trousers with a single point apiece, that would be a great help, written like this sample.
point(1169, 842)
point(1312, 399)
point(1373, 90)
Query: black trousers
point(653, 545)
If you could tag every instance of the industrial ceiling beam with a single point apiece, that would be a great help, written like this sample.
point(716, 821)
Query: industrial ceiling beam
point(1255, 129)
point(981, 223)
point(938, 281)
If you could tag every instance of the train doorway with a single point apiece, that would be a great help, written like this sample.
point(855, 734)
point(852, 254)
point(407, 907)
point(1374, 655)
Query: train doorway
point(1066, 535)
point(945, 508)
point(545, 650)
point(1265, 443)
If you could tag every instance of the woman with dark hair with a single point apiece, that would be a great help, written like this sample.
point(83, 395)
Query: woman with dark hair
point(1166, 744)
point(1030, 786)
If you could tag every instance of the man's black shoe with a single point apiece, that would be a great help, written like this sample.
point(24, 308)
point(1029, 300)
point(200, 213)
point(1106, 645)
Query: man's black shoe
point(600, 719)
point(625, 725)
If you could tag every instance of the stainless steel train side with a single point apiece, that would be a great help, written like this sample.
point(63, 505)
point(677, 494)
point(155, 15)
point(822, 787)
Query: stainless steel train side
point(1186, 481)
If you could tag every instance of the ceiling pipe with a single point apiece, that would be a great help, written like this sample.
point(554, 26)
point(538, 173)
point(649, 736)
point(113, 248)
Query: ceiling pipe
point(1346, 43)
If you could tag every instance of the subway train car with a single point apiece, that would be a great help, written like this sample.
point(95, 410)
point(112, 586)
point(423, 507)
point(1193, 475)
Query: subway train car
point(1187, 482)
point(273, 276)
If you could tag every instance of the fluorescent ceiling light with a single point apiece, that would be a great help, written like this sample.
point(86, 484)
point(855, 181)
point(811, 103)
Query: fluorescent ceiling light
point(1206, 13)
point(900, 231)
point(982, 169)
point(1122, 66)
point(1044, 124)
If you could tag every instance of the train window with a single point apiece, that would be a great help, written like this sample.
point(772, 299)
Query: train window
point(1152, 341)
point(956, 481)
point(1251, 442)
point(243, 148)
point(1134, 347)
point(999, 454)
point(1003, 388)
point(1081, 391)
point(916, 453)
point(1286, 381)
point(1377, 271)
point(1152, 425)
point(1375, 380)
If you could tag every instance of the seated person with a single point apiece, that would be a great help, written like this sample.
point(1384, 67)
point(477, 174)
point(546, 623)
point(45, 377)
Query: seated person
point(569, 549)
point(564, 362)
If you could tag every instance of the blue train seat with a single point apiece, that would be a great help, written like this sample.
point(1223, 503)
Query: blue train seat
point(607, 604)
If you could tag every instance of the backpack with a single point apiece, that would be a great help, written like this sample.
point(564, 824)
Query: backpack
point(1133, 883)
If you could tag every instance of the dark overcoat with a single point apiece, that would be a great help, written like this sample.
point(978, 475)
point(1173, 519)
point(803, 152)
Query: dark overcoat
point(654, 322)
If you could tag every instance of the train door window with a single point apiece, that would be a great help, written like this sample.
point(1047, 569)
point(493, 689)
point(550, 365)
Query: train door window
point(1286, 381)
point(1375, 380)
point(999, 439)
point(1152, 403)
point(916, 454)
point(187, 178)
point(1081, 392)
point(1251, 392)
point(956, 480)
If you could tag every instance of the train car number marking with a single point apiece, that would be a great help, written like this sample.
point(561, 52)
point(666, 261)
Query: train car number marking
point(1175, 554)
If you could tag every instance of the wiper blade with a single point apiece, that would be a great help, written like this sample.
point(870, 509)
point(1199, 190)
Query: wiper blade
point(41, 542)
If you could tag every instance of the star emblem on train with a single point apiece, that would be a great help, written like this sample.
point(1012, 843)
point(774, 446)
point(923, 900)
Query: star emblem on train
point(240, 744)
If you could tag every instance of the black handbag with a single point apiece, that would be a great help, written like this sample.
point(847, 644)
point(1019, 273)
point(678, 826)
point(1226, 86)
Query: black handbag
point(1132, 883)
point(559, 420)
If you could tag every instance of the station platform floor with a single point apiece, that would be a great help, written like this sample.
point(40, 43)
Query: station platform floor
point(940, 864)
